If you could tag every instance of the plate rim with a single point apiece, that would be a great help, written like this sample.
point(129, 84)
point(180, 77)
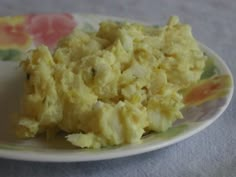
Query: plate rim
point(38, 156)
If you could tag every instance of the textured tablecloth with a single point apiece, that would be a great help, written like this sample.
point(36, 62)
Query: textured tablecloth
point(210, 153)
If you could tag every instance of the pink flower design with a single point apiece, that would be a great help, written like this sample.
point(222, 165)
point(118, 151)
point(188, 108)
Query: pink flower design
point(47, 29)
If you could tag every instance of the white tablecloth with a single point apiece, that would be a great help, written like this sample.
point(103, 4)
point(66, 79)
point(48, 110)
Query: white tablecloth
point(210, 153)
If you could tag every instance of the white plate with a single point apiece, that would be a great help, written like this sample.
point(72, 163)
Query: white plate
point(195, 118)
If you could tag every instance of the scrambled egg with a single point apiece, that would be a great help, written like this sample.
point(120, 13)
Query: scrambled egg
point(111, 86)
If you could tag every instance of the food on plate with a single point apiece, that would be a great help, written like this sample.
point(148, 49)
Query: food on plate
point(111, 86)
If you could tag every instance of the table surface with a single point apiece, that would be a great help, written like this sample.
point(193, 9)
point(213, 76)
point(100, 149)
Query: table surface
point(210, 153)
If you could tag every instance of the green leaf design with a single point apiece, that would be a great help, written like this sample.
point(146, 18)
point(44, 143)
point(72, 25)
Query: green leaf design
point(156, 26)
point(172, 132)
point(10, 55)
point(119, 22)
point(210, 69)
point(11, 147)
point(88, 27)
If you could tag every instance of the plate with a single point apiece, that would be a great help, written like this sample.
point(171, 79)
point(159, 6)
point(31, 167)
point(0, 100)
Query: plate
point(21, 33)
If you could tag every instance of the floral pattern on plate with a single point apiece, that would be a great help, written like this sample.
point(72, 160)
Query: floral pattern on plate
point(47, 29)
point(21, 33)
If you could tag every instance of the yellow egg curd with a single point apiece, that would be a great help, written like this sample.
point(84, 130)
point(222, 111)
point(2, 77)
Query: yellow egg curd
point(110, 87)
